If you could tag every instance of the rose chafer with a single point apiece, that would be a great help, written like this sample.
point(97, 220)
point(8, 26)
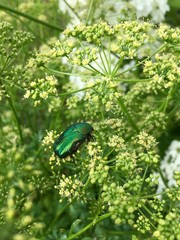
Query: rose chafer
point(69, 141)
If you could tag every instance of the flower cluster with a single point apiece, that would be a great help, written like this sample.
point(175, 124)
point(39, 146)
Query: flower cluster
point(70, 188)
point(81, 56)
point(12, 41)
point(168, 227)
point(145, 141)
point(92, 34)
point(131, 36)
point(173, 193)
point(126, 38)
point(142, 224)
point(98, 170)
point(170, 36)
point(115, 196)
point(11, 44)
point(63, 47)
point(41, 89)
point(126, 162)
point(116, 142)
point(49, 139)
point(38, 60)
point(117, 126)
point(164, 72)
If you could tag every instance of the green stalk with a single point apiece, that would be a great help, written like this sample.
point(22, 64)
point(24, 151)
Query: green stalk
point(16, 118)
point(143, 180)
point(72, 9)
point(139, 63)
point(107, 61)
point(103, 69)
point(76, 91)
point(8, 9)
point(10, 100)
point(60, 73)
point(162, 177)
point(172, 112)
point(103, 63)
point(102, 113)
point(109, 54)
point(57, 216)
point(95, 70)
point(150, 213)
point(153, 195)
point(118, 64)
point(126, 113)
point(145, 80)
point(147, 218)
point(89, 15)
point(165, 103)
point(89, 225)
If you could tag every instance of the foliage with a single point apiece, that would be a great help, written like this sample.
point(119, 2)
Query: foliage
point(123, 79)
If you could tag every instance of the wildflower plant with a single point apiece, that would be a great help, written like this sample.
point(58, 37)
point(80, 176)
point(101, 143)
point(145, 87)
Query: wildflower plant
point(129, 93)
point(130, 107)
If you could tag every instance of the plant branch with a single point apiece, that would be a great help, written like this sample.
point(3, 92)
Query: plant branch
point(90, 225)
point(162, 177)
point(139, 63)
point(16, 118)
point(8, 9)
point(90, 11)
point(126, 113)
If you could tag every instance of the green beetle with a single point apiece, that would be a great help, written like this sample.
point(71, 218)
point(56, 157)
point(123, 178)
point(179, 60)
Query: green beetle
point(69, 141)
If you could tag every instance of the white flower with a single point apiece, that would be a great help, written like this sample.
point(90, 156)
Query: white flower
point(170, 164)
point(155, 8)
point(159, 10)
point(143, 8)
point(110, 10)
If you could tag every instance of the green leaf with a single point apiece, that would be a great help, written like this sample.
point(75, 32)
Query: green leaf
point(73, 226)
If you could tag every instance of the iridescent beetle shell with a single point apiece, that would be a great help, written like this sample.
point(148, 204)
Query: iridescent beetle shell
point(69, 141)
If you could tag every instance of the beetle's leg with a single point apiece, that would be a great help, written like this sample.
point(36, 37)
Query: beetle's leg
point(91, 137)
point(75, 146)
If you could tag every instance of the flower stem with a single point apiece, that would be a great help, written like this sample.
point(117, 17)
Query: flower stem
point(89, 15)
point(9, 98)
point(8, 9)
point(103, 63)
point(147, 218)
point(89, 225)
point(165, 104)
point(139, 63)
point(76, 91)
point(117, 66)
point(144, 176)
point(162, 177)
point(60, 73)
point(126, 113)
point(107, 61)
point(72, 9)
point(57, 216)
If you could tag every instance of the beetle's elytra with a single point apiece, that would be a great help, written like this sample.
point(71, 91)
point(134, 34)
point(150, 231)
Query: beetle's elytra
point(69, 141)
